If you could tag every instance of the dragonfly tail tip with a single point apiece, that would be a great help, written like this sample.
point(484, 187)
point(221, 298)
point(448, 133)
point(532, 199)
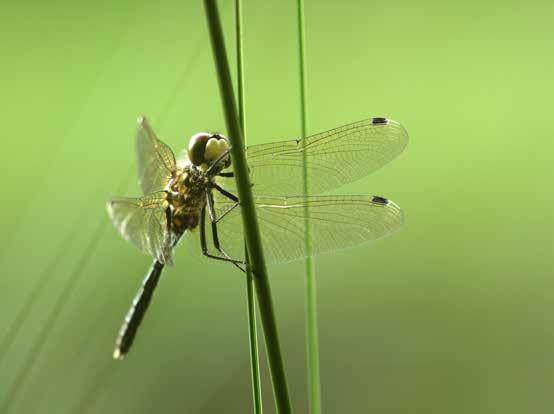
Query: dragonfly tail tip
point(117, 354)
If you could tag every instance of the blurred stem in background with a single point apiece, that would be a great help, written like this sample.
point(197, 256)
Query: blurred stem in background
point(252, 234)
point(312, 337)
point(65, 294)
point(250, 298)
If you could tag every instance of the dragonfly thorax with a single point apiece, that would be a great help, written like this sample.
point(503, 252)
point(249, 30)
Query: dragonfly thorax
point(187, 197)
point(188, 182)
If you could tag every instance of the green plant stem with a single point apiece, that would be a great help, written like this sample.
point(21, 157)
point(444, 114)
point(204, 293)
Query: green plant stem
point(253, 337)
point(248, 210)
point(250, 298)
point(312, 337)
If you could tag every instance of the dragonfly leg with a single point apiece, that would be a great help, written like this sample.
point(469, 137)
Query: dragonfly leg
point(226, 174)
point(204, 245)
point(215, 236)
point(227, 194)
point(226, 212)
point(216, 161)
point(214, 220)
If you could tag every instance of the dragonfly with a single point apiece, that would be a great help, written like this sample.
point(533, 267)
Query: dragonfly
point(197, 191)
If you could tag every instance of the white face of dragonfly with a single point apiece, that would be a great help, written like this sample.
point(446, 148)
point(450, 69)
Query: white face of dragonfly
point(215, 148)
point(205, 148)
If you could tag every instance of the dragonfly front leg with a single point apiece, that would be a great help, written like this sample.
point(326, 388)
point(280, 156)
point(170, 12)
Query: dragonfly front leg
point(230, 175)
point(226, 174)
point(215, 163)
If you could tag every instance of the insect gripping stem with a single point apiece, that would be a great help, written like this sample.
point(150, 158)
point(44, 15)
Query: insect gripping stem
point(249, 217)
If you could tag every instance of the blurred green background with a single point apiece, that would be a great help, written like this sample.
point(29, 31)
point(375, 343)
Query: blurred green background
point(454, 314)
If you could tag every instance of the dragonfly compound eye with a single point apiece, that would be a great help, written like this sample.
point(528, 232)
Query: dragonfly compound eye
point(197, 147)
point(215, 147)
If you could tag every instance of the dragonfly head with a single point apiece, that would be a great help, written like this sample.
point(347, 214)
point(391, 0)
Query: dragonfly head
point(206, 148)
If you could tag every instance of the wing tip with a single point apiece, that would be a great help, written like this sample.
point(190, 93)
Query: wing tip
point(385, 202)
point(109, 207)
point(381, 120)
point(399, 212)
point(141, 120)
point(401, 127)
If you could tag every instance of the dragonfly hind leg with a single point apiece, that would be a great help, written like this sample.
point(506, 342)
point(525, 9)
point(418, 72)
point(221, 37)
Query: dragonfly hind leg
point(225, 257)
point(217, 245)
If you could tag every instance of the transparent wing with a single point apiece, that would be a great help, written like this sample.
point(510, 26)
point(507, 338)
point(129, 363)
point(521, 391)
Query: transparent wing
point(337, 222)
point(156, 161)
point(143, 222)
point(333, 158)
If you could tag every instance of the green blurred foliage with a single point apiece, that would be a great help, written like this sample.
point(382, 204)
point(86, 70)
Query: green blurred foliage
point(453, 314)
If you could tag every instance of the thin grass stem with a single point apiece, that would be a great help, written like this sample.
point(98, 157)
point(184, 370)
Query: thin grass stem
point(101, 380)
point(250, 298)
point(76, 275)
point(312, 338)
point(36, 291)
point(248, 210)
point(253, 339)
point(52, 318)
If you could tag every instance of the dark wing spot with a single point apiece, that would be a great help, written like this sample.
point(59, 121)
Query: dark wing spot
point(379, 200)
point(379, 121)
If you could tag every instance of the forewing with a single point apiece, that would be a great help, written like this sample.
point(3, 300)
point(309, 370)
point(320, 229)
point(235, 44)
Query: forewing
point(333, 158)
point(143, 222)
point(337, 222)
point(156, 161)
